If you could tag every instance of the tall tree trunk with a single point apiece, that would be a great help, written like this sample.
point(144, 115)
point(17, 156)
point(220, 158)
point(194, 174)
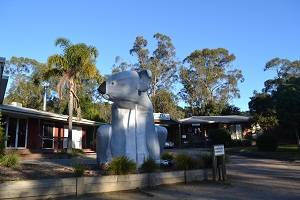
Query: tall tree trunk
point(70, 119)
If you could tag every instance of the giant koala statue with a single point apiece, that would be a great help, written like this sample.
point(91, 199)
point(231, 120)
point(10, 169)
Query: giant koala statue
point(132, 132)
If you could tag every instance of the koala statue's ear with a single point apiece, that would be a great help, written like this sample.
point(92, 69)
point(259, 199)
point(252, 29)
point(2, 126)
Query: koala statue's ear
point(145, 80)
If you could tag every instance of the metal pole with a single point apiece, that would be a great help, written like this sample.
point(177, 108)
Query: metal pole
point(45, 98)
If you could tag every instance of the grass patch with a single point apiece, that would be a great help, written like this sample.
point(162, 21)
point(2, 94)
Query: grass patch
point(283, 152)
point(10, 160)
point(78, 169)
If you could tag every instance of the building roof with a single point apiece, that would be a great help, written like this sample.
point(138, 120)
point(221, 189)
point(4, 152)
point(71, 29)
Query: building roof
point(17, 110)
point(228, 119)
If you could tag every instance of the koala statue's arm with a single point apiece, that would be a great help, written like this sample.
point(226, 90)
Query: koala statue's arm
point(162, 134)
point(103, 144)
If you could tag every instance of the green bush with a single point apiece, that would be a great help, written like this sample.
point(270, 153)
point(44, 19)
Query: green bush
point(78, 169)
point(204, 161)
point(121, 165)
point(10, 160)
point(2, 137)
point(266, 142)
point(220, 136)
point(76, 152)
point(167, 156)
point(185, 162)
point(149, 166)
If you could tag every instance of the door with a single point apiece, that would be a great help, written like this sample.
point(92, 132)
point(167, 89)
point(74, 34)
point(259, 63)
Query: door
point(48, 139)
point(76, 137)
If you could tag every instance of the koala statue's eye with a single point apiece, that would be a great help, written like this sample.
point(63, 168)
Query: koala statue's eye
point(112, 82)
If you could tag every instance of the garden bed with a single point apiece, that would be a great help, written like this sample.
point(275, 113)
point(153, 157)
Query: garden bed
point(55, 187)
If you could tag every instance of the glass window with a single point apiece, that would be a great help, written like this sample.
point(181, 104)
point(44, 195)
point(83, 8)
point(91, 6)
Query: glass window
point(22, 132)
point(11, 133)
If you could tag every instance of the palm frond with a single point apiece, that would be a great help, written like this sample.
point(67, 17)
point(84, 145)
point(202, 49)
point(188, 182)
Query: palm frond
point(63, 43)
point(62, 84)
point(57, 61)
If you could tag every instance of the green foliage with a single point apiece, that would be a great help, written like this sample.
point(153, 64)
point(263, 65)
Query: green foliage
point(2, 137)
point(220, 136)
point(185, 162)
point(167, 156)
point(162, 62)
point(76, 152)
point(24, 91)
point(208, 82)
point(10, 160)
point(263, 109)
point(121, 166)
point(166, 102)
point(278, 106)
point(230, 110)
point(266, 142)
point(149, 166)
point(207, 160)
point(204, 161)
point(78, 169)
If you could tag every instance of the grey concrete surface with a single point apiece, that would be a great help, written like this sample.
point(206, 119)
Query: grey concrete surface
point(248, 179)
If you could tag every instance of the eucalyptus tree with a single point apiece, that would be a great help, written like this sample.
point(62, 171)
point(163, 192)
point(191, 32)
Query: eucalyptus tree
point(208, 80)
point(161, 62)
point(26, 74)
point(76, 63)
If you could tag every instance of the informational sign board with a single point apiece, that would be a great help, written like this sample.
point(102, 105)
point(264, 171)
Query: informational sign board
point(219, 150)
point(161, 116)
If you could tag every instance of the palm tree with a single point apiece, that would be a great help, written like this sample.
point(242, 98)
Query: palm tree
point(74, 64)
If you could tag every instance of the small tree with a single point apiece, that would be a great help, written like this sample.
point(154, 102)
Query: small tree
point(76, 63)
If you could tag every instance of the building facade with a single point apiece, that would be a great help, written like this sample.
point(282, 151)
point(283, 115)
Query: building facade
point(36, 130)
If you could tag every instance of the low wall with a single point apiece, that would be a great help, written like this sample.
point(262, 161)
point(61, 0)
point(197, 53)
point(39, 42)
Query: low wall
point(46, 188)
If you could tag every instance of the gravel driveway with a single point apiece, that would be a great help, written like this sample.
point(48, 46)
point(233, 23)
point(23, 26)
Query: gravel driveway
point(248, 179)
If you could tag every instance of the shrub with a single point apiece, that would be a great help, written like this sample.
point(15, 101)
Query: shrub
point(2, 137)
point(121, 165)
point(185, 162)
point(78, 169)
point(167, 156)
point(149, 166)
point(220, 136)
point(76, 152)
point(10, 160)
point(204, 161)
point(266, 142)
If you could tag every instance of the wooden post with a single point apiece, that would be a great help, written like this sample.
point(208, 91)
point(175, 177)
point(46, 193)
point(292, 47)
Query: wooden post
point(224, 175)
point(219, 169)
point(214, 166)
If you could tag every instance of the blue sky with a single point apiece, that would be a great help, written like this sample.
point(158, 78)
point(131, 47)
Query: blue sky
point(255, 31)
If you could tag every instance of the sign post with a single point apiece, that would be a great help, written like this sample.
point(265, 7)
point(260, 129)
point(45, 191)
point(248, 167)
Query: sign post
point(219, 167)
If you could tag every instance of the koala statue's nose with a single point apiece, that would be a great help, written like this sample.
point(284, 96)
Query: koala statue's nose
point(102, 88)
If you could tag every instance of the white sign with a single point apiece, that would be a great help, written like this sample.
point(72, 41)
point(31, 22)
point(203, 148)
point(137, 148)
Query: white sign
point(219, 150)
point(161, 116)
point(183, 136)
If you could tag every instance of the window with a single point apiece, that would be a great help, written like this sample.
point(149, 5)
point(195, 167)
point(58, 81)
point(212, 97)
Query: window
point(16, 132)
